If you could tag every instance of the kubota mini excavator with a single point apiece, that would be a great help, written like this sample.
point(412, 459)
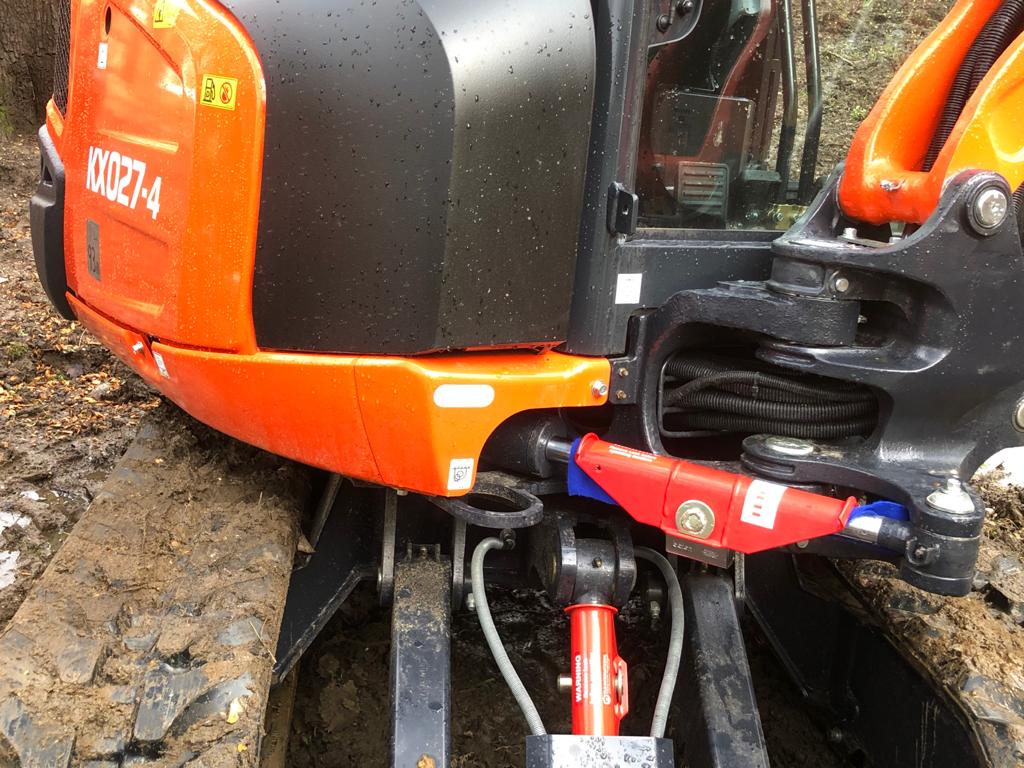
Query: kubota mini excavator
point(560, 280)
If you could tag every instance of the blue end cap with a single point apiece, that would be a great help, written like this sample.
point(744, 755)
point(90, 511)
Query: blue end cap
point(581, 484)
point(881, 509)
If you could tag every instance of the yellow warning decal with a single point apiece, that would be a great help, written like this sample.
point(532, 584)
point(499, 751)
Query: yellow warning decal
point(218, 91)
point(165, 14)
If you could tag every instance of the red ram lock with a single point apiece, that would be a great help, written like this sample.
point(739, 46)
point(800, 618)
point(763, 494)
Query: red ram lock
point(717, 508)
point(600, 690)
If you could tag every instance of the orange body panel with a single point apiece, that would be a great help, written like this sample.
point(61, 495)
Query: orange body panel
point(169, 290)
point(184, 272)
point(373, 418)
point(882, 180)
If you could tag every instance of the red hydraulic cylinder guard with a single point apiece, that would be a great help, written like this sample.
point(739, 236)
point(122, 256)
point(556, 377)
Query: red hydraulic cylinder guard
point(600, 691)
point(746, 515)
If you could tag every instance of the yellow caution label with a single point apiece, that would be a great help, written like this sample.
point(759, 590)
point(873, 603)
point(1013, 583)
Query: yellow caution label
point(218, 91)
point(165, 14)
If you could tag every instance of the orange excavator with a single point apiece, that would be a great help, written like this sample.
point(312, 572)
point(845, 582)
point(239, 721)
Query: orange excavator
point(521, 274)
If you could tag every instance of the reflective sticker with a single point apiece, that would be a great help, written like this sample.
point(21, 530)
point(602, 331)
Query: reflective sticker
point(627, 287)
point(160, 365)
point(463, 395)
point(762, 503)
point(101, 57)
point(460, 475)
point(631, 453)
point(165, 14)
point(218, 91)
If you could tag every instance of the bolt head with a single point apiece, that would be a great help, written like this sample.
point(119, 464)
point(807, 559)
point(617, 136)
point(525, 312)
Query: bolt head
point(1018, 416)
point(789, 446)
point(695, 518)
point(850, 233)
point(599, 389)
point(990, 208)
point(564, 683)
point(840, 284)
point(664, 22)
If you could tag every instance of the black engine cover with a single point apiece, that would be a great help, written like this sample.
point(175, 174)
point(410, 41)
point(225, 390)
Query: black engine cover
point(423, 171)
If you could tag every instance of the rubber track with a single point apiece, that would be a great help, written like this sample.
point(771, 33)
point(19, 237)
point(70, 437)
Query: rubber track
point(147, 641)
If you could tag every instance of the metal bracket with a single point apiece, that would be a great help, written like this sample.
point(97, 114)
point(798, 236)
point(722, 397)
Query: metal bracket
point(421, 661)
point(623, 208)
point(317, 590)
point(721, 726)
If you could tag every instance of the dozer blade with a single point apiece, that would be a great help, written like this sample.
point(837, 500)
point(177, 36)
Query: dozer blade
point(148, 639)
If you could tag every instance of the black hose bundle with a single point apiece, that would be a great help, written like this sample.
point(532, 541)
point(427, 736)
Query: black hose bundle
point(707, 394)
point(1003, 28)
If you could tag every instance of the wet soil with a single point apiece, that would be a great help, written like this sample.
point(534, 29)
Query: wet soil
point(67, 408)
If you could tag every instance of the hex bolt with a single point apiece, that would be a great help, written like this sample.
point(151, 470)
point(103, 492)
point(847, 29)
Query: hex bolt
point(850, 233)
point(564, 683)
point(598, 389)
point(137, 347)
point(470, 603)
point(789, 446)
point(620, 394)
point(839, 283)
point(989, 209)
point(952, 498)
point(624, 372)
point(695, 518)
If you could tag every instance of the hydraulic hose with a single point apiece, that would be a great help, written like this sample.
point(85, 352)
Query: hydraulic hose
point(712, 394)
point(675, 643)
point(483, 612)
point(1000, 30)
point(766, 409)
point(727, 422)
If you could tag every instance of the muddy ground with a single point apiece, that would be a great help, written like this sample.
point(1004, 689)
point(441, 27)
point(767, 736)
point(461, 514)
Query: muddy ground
point(68, 410)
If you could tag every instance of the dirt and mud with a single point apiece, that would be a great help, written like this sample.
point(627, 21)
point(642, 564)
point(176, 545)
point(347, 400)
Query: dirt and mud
point(68, 409)
point(148, 640)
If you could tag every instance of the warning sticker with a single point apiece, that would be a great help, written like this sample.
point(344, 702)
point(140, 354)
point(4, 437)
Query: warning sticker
point(762, 504)
point(218, 91)
point(460, 474)
point(165, 14)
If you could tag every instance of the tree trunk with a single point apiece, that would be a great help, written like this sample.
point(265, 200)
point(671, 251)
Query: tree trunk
point(27, 33)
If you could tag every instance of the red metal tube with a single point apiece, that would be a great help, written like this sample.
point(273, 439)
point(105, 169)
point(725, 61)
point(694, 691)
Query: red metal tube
point(600, 689)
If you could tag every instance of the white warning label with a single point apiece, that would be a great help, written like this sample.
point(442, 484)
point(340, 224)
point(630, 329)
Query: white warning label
point(762, 503)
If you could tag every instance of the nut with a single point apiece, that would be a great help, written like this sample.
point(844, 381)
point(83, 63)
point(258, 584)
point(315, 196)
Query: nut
point(952, 498)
